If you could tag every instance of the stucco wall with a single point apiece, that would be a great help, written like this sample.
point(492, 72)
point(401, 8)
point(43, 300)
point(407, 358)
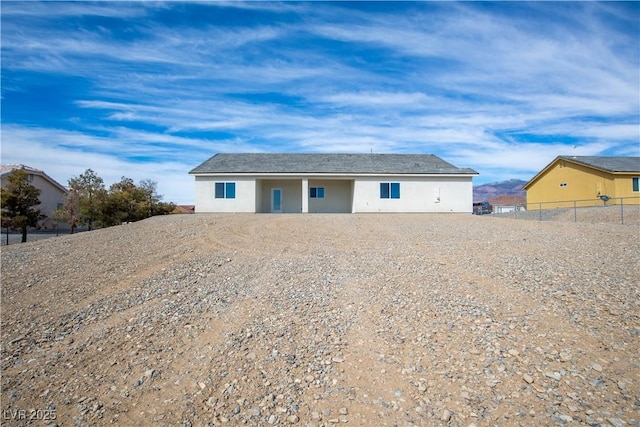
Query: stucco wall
point(567, 181)
point(245, 200)
point(428, 194)
point(291, 194)
point(337, 196)
point(51, 197)
point(624, 188)
point(361, 194)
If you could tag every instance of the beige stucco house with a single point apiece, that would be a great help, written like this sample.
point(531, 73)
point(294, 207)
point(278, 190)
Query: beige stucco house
point(52, 194)
point(331, 183)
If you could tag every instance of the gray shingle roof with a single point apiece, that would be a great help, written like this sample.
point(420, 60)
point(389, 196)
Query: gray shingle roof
point(306, 163)
point(608, 163)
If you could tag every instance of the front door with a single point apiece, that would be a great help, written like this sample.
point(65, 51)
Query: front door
point(276, 200)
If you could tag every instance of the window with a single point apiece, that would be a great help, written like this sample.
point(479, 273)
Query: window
point(316, 192)
point(636, 184)
point(225, 190)
point(389, 190)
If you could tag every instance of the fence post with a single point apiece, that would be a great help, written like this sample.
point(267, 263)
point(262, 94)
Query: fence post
point(575, 212)
point(622, 210)
point(540, 211)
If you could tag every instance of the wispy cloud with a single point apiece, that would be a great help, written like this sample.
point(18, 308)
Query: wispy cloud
point(156, 88)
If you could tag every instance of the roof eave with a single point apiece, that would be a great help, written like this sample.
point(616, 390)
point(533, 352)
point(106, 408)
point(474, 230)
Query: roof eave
point(333, 174)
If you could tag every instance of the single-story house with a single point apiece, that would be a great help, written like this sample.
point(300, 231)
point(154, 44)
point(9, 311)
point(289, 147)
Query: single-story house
point(52, 194)
point(587, 180)
point(505, 204)
point(331, 183)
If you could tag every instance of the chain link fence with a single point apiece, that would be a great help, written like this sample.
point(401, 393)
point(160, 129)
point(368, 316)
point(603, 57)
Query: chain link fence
point(621, 210)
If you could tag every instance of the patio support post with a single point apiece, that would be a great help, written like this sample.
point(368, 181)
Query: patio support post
point(305, 195)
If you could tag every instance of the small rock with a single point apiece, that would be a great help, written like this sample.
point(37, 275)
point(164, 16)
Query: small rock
point(597, 367)
point(446, 415)
point(343, 411)
point(527, 378)
point(554, 375)
point(616, 422)
point(254, 411)
point(293, 419)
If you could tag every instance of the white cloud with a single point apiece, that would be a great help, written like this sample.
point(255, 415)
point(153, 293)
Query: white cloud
point(482, 87)
point(73, 153)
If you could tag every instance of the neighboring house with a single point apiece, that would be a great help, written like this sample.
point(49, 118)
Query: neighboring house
point(52, 194)
point(504, 204)
point(184, 209)
point(588, 180)
point(346, 183)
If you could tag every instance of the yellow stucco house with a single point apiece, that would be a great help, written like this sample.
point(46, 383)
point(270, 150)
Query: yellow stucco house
point(570, 181)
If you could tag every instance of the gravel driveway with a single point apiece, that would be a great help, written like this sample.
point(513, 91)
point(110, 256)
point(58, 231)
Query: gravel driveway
point(322, 320)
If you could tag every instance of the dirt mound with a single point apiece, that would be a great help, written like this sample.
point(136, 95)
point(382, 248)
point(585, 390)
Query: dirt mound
point(321, 320)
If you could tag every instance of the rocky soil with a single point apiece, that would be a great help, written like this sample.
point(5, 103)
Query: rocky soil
point(324, 320)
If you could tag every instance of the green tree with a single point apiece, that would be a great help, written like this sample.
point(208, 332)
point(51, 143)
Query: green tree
point(126, 202)
point(18, 201)
point(85, 198)
point(163, 208)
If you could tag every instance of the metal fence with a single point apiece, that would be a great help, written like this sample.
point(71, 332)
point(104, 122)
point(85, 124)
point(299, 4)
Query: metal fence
point(11, 237)
point(620, 210)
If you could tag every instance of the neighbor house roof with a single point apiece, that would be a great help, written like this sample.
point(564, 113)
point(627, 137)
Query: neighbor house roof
point(185, 209)
point(507, 200)
point(6, 169)
point(606, 163)
point(610, 164)
point(307, 163)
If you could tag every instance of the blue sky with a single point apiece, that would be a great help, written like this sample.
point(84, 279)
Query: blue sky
point(150, 90)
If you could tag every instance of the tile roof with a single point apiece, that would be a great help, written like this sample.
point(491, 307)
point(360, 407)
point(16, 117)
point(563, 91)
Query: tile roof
point(307, 163)
point(607, 163)
point(6, 169)
point(507, 200)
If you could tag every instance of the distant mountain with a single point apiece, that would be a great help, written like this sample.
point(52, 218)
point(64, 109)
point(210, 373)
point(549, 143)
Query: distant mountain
point(511, 187)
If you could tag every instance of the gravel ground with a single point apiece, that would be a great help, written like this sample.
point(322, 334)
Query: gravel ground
point(322, 320)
